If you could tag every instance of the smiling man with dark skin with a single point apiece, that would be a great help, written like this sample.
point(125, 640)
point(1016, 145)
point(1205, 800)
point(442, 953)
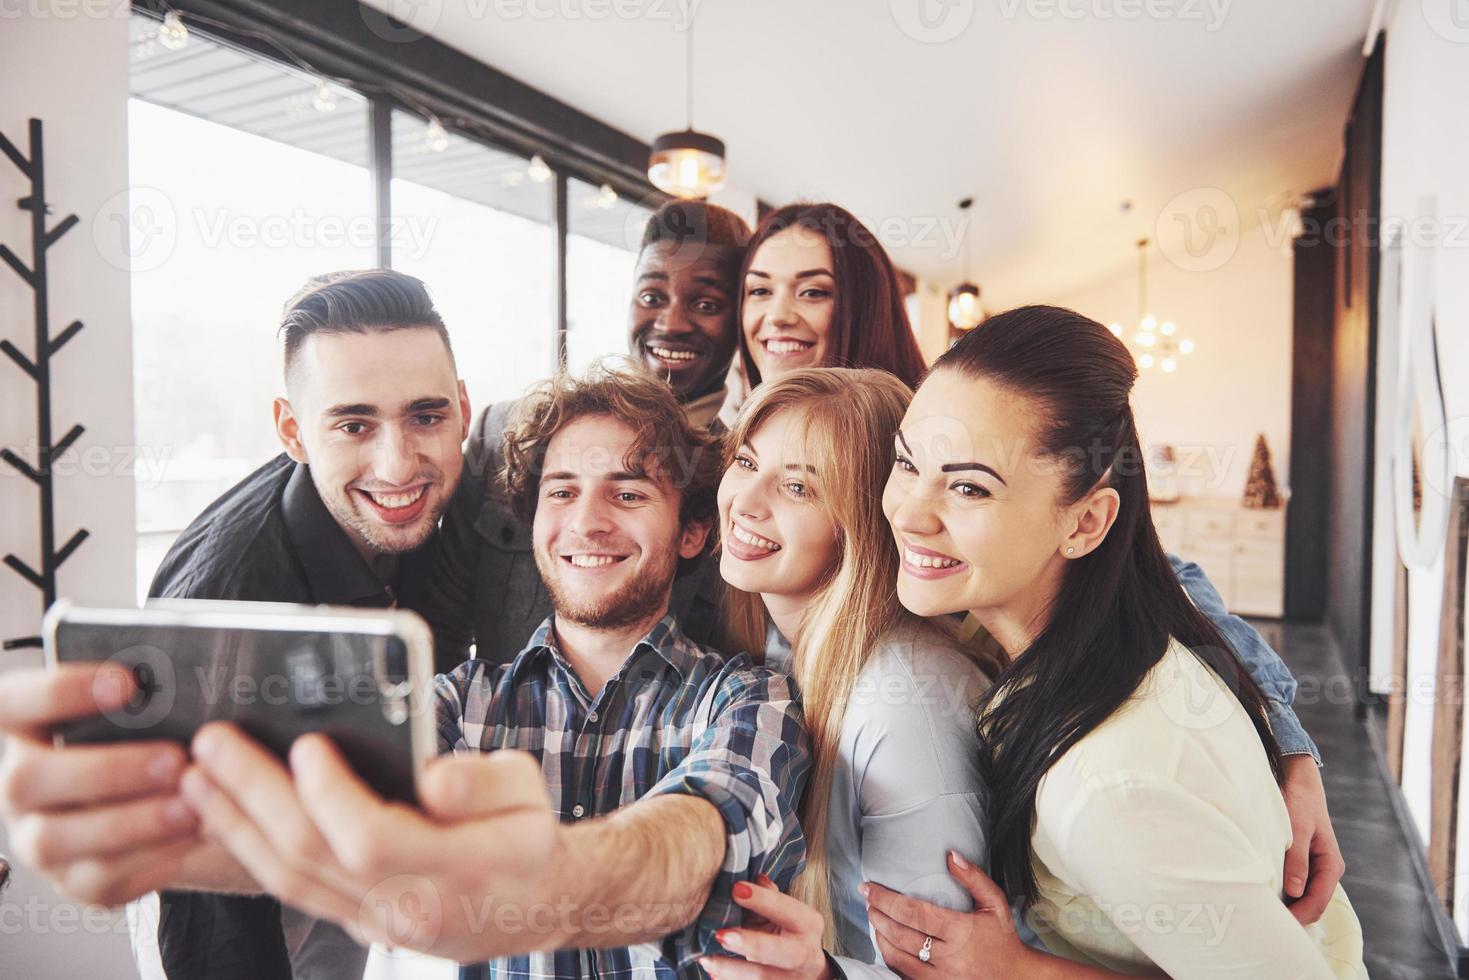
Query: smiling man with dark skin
point(683, 327)
point(682, 323)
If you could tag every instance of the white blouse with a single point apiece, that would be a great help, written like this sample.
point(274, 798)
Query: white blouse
point(1160, 842)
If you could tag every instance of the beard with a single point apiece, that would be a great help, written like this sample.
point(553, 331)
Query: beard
point(380, 538)
point(638, 599)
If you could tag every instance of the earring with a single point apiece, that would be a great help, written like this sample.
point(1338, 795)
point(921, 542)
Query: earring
point(1071, 551)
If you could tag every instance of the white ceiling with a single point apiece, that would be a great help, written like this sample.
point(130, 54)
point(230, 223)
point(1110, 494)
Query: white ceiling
point(1048, 112)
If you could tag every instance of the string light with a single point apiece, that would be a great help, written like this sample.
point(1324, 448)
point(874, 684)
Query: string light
point(538, 169)
point(326, 99)
point(173, 33)
point(435, 136)
point(606, 196)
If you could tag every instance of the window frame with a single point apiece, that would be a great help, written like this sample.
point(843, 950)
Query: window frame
point(418, 74)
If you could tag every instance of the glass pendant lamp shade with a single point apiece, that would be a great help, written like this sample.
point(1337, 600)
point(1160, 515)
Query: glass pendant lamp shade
point(965, 311)
point(687, 164)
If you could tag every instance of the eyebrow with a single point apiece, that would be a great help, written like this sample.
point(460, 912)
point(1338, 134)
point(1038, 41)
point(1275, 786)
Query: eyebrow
point(799, 467)
point(624, 476)
point(955, 467)
point(806, 274)
point(370, 411)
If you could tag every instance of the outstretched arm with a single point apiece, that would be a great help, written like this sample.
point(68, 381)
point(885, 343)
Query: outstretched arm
point(1313, 864)
point(486, 870)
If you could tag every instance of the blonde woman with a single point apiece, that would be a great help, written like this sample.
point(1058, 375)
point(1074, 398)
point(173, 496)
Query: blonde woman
point(888, 696)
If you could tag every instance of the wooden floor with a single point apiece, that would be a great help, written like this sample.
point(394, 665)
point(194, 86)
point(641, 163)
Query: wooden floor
point(1401, 941)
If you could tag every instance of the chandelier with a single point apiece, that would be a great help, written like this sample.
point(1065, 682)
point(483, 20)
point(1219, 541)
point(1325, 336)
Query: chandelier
point(1155, 343)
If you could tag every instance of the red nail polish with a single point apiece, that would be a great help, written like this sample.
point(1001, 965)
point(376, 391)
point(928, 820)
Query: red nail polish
point(742, 890)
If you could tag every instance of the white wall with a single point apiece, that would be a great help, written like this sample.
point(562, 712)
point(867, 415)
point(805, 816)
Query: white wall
point(1237, 383)
point(1425, 152)
point(67, 65)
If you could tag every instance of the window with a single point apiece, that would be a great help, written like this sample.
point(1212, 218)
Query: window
point(252, 176)
point(478, 227)
point(603, 233)
point(249, 179)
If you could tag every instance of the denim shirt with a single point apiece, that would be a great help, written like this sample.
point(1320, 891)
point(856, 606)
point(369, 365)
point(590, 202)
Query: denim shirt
point(1262, 663)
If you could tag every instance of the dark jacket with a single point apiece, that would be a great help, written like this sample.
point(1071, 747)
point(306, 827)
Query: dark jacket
point(268, 539)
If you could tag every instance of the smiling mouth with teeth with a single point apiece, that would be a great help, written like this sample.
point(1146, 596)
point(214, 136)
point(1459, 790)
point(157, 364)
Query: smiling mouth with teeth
point(752, 539)
point(928, 561)
point(788, 346)
point(592, 561)
point(669, 354)
point(396, 501)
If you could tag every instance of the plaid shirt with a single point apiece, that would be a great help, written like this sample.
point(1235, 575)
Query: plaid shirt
point(676, 718)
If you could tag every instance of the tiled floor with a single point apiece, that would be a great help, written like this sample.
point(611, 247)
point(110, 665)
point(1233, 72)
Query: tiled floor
point(1401, 943)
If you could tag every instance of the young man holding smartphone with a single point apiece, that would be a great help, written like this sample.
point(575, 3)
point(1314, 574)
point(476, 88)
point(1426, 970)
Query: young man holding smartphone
point(372, 426)
point(608, 790)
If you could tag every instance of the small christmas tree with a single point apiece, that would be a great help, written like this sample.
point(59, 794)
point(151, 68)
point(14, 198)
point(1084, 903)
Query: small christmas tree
point(1260, 488)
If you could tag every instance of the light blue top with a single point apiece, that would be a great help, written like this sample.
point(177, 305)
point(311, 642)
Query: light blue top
point(906, 788)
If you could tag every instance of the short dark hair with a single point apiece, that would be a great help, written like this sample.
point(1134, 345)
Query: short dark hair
point(687, 454)
point(695, 222)
point(359, 301)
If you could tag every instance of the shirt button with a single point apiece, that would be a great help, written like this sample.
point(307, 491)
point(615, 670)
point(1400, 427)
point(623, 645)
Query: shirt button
point(592, 717)
point(578, 810)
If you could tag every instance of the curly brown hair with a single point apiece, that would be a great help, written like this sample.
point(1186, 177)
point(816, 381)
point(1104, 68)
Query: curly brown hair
point(688, 458)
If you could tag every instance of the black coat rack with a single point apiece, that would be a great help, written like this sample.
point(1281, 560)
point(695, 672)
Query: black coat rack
point(39, 370)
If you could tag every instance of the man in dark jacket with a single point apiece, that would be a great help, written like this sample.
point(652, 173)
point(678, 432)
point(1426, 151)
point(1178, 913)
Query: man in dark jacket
point(372, 427)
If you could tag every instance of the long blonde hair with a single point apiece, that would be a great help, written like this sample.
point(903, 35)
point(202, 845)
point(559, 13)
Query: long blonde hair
point(850, 419)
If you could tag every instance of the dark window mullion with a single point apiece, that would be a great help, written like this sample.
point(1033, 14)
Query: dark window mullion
point(380, 142)
point(561, 294)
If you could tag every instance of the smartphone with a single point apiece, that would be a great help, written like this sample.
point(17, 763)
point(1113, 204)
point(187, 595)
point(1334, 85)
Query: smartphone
point(362, 677)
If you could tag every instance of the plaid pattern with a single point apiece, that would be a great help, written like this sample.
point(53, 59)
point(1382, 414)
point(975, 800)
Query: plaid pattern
point(676, 718)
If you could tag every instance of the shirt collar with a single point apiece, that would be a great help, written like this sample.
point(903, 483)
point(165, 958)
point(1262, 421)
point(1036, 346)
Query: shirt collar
point(702, 411)
point(335, 571)
point(665, 640)
point(982, 645)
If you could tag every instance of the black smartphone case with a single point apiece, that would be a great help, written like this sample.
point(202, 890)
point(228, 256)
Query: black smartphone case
point(274, 681)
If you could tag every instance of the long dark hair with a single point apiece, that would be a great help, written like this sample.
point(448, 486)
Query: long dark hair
point(1121, 603)
point(869, 324)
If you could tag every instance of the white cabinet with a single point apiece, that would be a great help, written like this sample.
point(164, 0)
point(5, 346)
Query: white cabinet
point(1241, 549)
